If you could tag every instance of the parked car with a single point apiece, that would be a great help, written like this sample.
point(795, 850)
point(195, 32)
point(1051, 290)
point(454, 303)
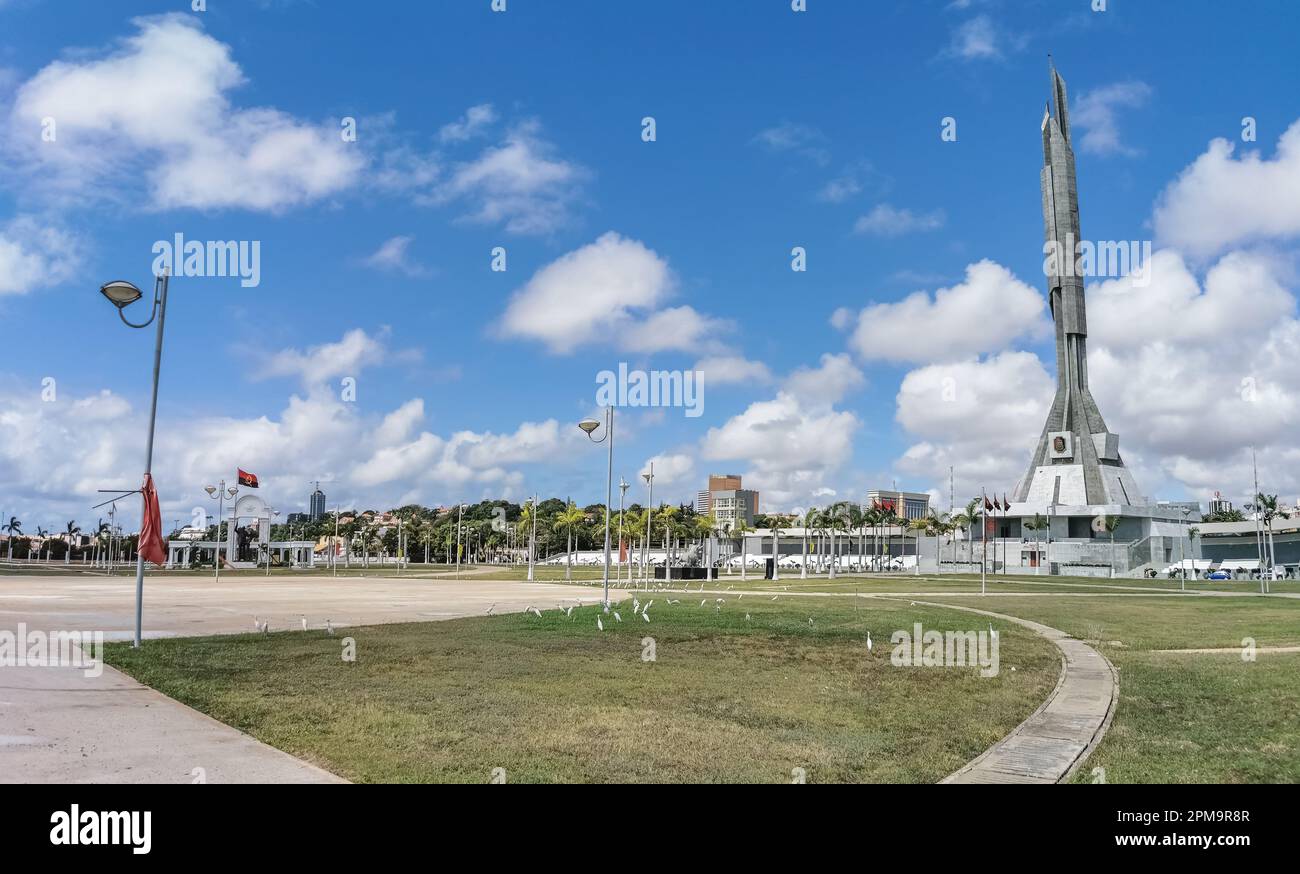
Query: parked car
point(1219, 575)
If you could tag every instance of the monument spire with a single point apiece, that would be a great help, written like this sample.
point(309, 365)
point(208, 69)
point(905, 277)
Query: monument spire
point(1077, 461)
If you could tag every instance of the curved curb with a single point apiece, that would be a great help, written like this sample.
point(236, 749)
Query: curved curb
point(1058, 737)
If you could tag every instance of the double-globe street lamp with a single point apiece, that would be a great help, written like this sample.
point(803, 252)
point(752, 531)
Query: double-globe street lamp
point(122, 294)
point(589, 427)
point(219, 493)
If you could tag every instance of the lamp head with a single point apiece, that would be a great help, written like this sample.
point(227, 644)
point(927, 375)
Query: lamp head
point(589, 425)
point(211, 490)
point(120, 292)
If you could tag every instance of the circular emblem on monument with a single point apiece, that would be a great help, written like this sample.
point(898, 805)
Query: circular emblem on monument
point(1058, 444)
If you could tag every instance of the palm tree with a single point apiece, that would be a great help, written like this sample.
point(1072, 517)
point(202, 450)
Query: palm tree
point(777, 521)
point(1036, 524)
point(1271, 509)
point(44, 535)
point(853, 521)
point(568, 519)
point(1110, 523)
point(73, 529)
point(739, 530)
point(808, 516)
point(704, 528)
point(14, 527)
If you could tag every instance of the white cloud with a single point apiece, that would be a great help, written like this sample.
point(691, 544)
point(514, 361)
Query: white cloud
point(607, 291)
point(1095, 113)
point(984, 313)
point(476, 120)
point(793, 449)
point(976, 39)
point(519, 184)
point(980, 416)
point(791, 137)
point(1221, 200)
point(729, 369)
point(826, 384)
point(393, 255)
point(676, 468)
point(33, 256)
point(888, 221)
point(159, 106)
point(318, 364)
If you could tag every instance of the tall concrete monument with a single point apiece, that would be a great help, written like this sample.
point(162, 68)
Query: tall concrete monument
point(1077, 460)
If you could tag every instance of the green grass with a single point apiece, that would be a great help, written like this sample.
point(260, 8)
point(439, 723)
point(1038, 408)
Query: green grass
point(1185, 718)
point(556, 700)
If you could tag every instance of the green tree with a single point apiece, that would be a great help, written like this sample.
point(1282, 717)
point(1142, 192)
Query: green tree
point(569, 521)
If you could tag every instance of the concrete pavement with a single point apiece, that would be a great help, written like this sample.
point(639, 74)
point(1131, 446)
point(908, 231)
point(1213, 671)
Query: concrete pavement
point(58, 725)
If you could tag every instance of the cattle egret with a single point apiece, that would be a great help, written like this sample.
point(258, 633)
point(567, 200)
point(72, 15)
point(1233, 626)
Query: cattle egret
point(569, 612)
point(774, 597)
point(703, 601)
point(490, 609)
point(810, 622)
point(746, 617)
point(674, 601)
point(719, 601)
point(648, 606)
point(617, 618)
point(868, 641)
point(304, 622)
point(993, 634)
point(329, 628)
point(600, 625)
point(645, 616)
point(537, 613)
point(257, 624)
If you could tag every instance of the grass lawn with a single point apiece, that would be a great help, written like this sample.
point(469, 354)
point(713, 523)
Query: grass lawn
point(556, 700)
point(1189, 717)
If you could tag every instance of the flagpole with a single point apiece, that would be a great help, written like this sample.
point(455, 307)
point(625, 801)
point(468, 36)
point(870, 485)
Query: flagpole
point(984, 545)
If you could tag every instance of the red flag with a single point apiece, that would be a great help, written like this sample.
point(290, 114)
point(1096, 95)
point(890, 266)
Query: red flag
point(996, 505)
point(1006, 505)
point(151, 548)
point(988, 505)
point(247, 479)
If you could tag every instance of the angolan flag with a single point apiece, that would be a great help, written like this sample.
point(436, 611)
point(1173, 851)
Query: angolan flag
point(247, 479)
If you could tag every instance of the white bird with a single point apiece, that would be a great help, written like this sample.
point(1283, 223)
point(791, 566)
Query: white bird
point(868, 641)
point(648, 606)
point(674, 601)
point(537, 613)
point(992, 633)
point(304, 622)
point(645, 616)
point(257, 624)
point(266, 627)
point(617, 618)
point(810, 622)
point(703, 601)
point(490, 609)
point(719, 601)
point(746, 617)
point(599, 624)
point(636, 605)
point(569, 612)
point(329, 628)
point(774, 597)
point(742, 594)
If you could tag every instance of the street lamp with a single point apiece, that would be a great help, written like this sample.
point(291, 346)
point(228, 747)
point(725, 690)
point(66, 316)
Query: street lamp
point(219, 493)
point(623, 486)
point(532, 537)
point(122, 294)
point(589, 426)
point(459, 511)
point(649, 515)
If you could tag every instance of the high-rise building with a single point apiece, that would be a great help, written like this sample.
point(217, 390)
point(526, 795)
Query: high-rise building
point(317, 505)
point(702, 501)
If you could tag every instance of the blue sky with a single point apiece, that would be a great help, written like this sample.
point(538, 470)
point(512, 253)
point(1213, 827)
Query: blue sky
point(775, 129)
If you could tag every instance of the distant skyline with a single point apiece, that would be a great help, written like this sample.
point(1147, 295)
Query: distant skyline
point(381, 165)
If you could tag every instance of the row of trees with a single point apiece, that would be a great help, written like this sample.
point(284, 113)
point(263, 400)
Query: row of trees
point(66, 545)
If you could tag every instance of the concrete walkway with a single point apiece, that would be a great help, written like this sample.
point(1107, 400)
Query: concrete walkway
point(1058, 736)
point(59, 725)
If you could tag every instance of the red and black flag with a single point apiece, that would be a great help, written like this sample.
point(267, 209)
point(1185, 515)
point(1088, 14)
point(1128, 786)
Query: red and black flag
point(247, 479)
point(988, 505)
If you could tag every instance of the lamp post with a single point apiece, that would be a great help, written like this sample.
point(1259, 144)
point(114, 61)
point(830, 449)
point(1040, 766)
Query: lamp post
point(460, 509)
point(589, 426)
point(649, 515)
point(122, 294)
point(219, 493)
point(532, 537)
point(623, 486)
